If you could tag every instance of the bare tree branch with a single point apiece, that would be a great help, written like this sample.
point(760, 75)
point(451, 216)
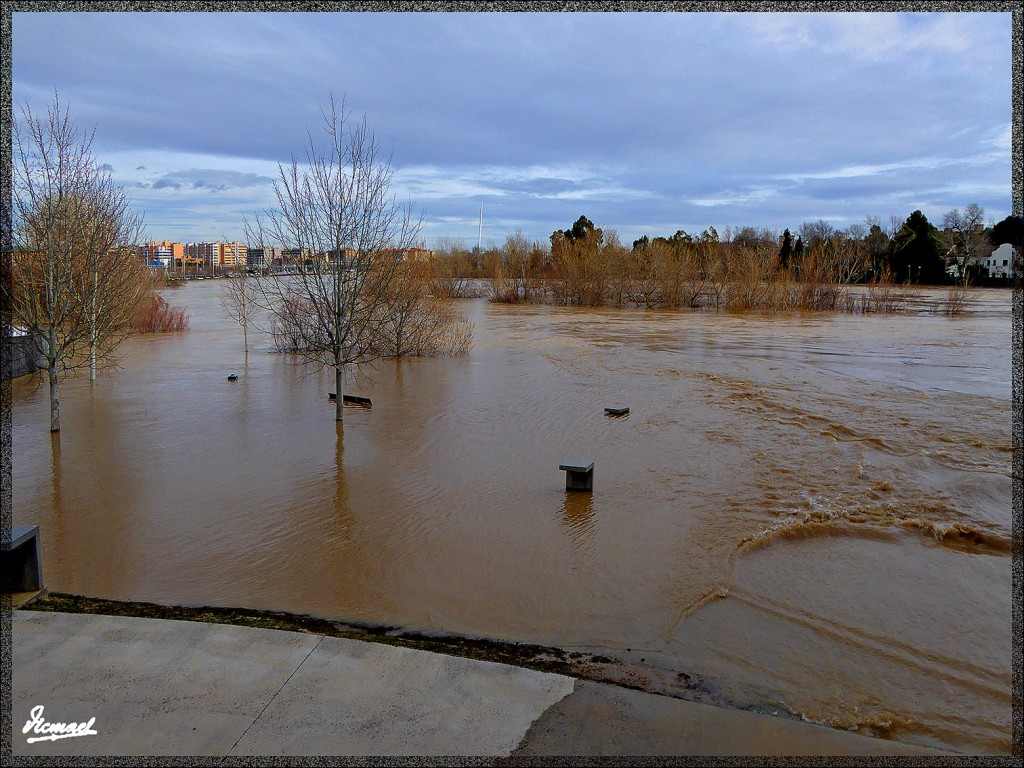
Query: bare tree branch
point(338, 213)
point(75, 281)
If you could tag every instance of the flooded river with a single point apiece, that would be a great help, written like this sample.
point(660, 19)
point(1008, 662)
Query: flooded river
point(803, 514)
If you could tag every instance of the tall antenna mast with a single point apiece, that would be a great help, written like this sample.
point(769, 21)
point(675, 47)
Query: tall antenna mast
point(480, 232)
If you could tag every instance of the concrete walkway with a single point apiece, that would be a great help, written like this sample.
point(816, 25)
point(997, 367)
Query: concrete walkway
point(186, 688)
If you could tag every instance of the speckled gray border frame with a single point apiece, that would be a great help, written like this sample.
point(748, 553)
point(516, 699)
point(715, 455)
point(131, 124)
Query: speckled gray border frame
point(1016, 7)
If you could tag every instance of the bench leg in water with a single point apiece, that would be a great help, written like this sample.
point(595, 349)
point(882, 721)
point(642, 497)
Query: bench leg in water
point(579, 475)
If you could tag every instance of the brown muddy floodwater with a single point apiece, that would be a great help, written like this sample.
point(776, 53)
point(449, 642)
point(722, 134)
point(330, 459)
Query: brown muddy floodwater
point(808, 515)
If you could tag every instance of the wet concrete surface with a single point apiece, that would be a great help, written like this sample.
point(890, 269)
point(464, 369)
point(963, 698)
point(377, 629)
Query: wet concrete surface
point(158, 687)
point(602, 720)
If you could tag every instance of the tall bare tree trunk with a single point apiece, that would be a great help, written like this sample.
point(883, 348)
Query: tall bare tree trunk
point(244, 299)
point(92, 331)
point(339, 384)
point(245, 326)
point(52, 370)
point(57, 478)
point(339, 320)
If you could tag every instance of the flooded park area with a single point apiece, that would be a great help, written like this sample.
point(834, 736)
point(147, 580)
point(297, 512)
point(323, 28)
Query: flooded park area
point(807, 514)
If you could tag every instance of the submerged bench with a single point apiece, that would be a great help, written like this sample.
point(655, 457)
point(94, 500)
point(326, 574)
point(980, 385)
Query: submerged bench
point(616, 411)
point(22, 563)
point(579, 475)
point(353, 399)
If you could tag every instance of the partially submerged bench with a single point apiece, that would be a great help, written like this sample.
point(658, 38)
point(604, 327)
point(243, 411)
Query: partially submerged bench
point(351, 399)
point(22, 562)
point(579, 475)
point(616, 411)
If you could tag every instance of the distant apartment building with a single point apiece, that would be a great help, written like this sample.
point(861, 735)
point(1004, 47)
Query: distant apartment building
point(296, 257)
point(407, 254)
point(265, 257)
point(229, 255)
point(234, 254)
point(342, 255)
point(212, 256)
point(202, 256)
point(308, 257)
point(417, 254)
point(163, 253)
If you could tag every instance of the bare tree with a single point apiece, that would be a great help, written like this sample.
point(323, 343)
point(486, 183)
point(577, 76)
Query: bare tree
point(74, 280)
point(895, 225)
point(450, 269)
point(957, 299)
point(114, 281)
point(964, 239)
point(883, 295)
point(403, 314)
point(338, 205)
point(414, 322)
point(579, 268)
point(515, 278)
point(752, 237)
point(240, 300)
point(617, 259)
point(752, 285)
point(814, 232)
point(843, 259)
point(857, 231)
point(644, 286)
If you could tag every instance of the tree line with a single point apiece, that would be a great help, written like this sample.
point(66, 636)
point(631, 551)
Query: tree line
point(744, 269)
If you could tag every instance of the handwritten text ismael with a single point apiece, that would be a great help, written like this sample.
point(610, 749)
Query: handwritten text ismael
point(54, 731)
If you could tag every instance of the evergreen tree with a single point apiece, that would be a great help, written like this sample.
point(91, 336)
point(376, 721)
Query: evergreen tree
point(877, 244)
point(786, 250)
point(914, 253)
point(582, 228)
point(1009, 230)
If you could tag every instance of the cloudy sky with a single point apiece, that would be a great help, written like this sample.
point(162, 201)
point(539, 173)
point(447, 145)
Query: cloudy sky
point(646, 123)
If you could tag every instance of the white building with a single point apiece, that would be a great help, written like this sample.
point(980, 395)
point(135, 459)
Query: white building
point(1000, 262)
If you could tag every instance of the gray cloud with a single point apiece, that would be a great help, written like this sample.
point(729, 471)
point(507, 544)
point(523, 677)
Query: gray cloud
point(675, 119)
point(206, 179)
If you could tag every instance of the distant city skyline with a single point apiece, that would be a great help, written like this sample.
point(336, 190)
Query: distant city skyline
point(646, 123)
